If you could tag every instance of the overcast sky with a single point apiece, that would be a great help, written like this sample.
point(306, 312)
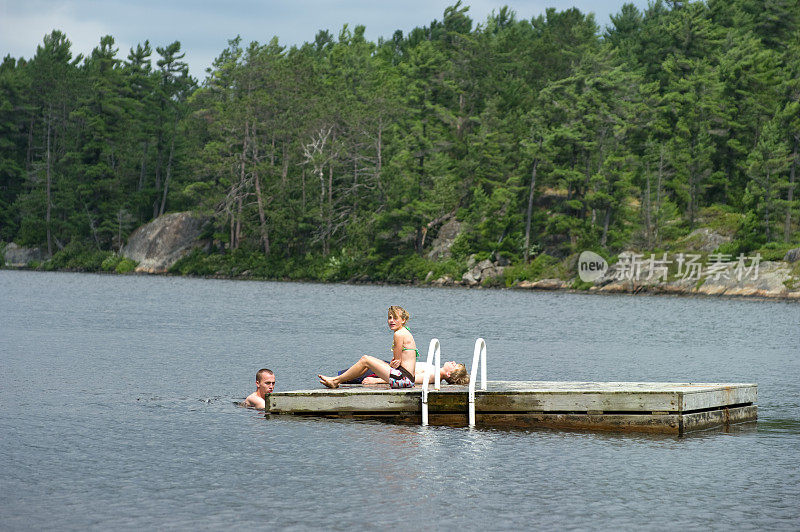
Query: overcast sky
point(204, 26)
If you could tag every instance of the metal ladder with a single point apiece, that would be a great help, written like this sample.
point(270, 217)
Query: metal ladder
point(434, 361)
point(478, 357)
point(434, 352)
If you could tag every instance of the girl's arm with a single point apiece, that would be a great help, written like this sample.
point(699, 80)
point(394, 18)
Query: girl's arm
point(397, 349)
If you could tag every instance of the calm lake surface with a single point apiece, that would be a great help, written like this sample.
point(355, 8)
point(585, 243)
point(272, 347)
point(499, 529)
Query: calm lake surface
point(117, 410)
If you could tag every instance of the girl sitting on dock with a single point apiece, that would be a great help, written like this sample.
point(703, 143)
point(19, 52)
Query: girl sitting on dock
point(400, 371)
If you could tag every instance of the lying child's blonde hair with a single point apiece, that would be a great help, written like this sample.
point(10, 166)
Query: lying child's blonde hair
point(458, 376)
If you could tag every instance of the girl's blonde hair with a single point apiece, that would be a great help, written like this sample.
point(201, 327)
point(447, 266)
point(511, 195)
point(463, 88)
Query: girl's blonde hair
point(399, 313)
point(458, 376)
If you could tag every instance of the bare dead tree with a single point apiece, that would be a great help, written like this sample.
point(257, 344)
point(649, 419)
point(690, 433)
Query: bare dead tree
point(259, 196)
point(318, 157)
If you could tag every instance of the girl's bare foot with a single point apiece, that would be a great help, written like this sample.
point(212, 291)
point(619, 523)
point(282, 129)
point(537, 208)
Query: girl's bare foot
point(327, 381)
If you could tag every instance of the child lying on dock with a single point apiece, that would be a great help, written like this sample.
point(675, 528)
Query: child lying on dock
point(451, 372)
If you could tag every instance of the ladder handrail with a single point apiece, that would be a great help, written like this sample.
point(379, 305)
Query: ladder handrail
point(434, 352)
point(478, 357)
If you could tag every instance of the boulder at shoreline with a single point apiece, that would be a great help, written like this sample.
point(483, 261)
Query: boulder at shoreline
point(481, 271)
point(161, 243)
point(19, 257)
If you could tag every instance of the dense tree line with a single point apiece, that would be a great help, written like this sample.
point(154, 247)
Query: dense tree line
point(543, 134)
point(89, 145)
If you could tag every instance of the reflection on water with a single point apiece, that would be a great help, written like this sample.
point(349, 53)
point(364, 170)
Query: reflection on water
point(119, 409)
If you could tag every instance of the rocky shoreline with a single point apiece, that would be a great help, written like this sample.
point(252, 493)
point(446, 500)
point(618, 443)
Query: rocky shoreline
point(766, 289)
point(772, 280)
point(158, 245)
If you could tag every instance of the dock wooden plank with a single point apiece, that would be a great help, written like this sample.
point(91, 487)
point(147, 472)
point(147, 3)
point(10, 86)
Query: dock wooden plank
point(722, 395)
point(352, 399)
point(610, 396)
point(715, 418)
point(637, 406)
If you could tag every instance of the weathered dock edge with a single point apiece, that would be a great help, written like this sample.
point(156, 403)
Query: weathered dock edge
point(619, 406)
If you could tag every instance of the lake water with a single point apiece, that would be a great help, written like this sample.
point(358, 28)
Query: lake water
point(117, 410)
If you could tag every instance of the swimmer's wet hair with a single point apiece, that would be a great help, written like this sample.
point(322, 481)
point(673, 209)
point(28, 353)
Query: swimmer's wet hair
point(263, 371)
point(458, 376)
point(399, 313)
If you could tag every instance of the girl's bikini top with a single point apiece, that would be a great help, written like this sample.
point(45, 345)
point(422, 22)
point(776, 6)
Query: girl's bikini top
point(407, 348)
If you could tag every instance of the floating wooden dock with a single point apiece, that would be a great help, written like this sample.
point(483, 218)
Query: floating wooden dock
point(620, 406)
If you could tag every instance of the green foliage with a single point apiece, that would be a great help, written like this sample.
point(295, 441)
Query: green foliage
point(341, 158)
point(126, 266)
point(110, 263)
point(578, 284)
point(748, 237)
point(340, 267)
point(77, 256)
point(193, 263)
point(407, 268)
point(451, 268)
point(794, 282)
point(542, 267)
point(462, 247)
point(118, 264)
point(252, 264)
point(722, 219)
point(774, 251)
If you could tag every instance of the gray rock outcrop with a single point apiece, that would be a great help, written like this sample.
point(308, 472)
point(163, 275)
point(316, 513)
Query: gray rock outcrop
point(793, 255)
point(640, 273)
point(161, 243)
point(443, 281)
point(703, 240)
point(544, 284)
point(440, 247)
point(481, 271)
point(18, 257)
point(767, 279)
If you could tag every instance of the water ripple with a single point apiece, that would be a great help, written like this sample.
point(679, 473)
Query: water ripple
point(119, 410)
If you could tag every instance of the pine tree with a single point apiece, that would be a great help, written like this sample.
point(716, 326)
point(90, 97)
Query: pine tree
point(101, 122)
point(54, 74)
point(13, 92)
point(139, 94)
point(767, 165)
point(173, 88)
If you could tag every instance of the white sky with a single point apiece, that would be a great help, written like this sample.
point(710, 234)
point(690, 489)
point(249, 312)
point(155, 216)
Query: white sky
point(204, 26)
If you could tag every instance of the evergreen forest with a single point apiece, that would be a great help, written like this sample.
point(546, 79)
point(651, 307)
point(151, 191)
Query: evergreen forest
point(343, 158)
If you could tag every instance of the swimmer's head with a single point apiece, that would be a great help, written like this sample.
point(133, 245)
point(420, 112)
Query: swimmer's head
point(265, 380)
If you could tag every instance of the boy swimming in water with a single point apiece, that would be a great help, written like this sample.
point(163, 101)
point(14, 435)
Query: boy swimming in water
point(265, 384)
